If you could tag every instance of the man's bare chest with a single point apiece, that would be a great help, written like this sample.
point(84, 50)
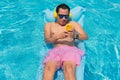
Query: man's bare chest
point(57, 29)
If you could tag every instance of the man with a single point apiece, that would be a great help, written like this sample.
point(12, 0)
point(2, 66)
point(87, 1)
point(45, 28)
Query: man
point(64, 54)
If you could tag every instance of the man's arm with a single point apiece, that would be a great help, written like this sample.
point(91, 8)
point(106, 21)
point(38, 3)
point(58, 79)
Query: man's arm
point(47, 34)
point(81, 33)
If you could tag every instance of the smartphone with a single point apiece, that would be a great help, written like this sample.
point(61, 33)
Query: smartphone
point(68, 27)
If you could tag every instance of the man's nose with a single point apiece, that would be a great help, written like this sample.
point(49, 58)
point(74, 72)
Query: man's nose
point(64, 17)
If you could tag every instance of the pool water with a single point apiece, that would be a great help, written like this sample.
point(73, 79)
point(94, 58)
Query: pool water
point(22, 42)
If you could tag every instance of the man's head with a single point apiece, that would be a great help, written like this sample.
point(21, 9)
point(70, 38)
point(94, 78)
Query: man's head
point(63, 14)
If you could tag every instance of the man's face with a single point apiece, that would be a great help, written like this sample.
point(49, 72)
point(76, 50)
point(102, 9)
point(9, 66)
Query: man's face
point(63, 16)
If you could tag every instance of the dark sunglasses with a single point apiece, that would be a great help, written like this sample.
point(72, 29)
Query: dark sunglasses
point(61, 16)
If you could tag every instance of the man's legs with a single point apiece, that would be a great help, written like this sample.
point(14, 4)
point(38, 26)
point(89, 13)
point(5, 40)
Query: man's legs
point(69, 70)
point(49, 70)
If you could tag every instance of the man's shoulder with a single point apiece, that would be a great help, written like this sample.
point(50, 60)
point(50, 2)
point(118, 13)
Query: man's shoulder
point(72, 22)
point(49, 24)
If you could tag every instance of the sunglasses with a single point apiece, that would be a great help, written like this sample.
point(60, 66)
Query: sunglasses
point(61, 16)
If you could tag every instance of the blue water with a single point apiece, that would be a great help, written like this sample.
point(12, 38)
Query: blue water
point(21, 38)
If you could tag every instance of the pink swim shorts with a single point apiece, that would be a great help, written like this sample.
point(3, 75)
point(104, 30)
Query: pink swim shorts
point(65, 53)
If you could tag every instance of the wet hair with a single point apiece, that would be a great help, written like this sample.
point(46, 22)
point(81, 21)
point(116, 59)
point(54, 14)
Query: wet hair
point(63, 6)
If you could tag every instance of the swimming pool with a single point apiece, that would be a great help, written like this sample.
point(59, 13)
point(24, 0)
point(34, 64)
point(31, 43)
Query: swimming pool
point(21, 38)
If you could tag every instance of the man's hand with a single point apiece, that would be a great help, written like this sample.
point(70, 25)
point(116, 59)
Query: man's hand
point(70, 34)
point(60, 35)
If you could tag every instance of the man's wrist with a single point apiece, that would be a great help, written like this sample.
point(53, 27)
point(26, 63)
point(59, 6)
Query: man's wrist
point(76, 36)
point(55, 38)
